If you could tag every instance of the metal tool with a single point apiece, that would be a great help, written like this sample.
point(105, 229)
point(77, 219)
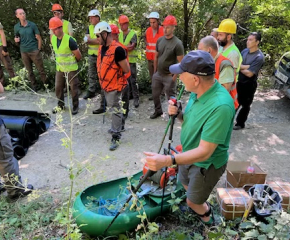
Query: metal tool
point(169, 122)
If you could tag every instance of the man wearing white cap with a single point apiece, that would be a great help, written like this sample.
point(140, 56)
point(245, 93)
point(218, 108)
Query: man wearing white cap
point(152, 34)
point(93, 47)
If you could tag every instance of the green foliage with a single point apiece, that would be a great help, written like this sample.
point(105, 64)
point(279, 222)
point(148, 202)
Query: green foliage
point(29, 219)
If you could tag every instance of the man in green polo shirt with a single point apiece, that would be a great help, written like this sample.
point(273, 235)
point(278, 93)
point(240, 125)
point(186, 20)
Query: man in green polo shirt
point(28, 37)
point(206, 131)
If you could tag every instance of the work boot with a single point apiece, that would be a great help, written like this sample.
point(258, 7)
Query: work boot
point(75, 110)
point(136, 102)
point(114, 144)
point(57, 109)
point(23, 192)
point(238, 127)
point(99, 111)
point(89, 95)
point(156, 115)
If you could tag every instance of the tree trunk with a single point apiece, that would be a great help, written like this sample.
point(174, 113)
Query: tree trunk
point(232, 8)
point(186, 24)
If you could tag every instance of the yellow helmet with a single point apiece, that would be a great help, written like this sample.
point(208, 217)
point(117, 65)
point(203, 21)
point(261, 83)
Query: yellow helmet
point(228, 26)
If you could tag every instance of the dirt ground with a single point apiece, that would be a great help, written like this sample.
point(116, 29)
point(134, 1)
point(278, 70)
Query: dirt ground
point(265, 141)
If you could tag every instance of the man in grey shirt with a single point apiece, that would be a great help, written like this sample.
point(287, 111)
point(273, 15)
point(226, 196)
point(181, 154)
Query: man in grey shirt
point(253, 60)
point(169, 50)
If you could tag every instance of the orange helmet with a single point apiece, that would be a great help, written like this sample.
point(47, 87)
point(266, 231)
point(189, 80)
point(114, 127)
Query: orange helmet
point(170, 20)
point(56, 7)
point(115, 29)
point(54, 23)
point(123, 19)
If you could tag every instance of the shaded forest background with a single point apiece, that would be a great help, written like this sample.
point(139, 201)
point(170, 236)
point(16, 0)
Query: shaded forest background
point(195, 19)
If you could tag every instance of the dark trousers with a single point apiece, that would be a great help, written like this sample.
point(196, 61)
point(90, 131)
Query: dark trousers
point(93, 75)
point(159, 82)
point(33, 57)
point(60, 84)
point(8, 65)
point(151, 68)
point(133, 88)
point(246, 92)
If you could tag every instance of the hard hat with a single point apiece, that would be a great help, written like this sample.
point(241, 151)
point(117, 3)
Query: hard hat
point(123, 19)
point(228, 26)
point(102, 26)
point(154, 15)
point(170, 20)
point(56, 7)
point(94, 13)
point(54, 23)
point(114, 29)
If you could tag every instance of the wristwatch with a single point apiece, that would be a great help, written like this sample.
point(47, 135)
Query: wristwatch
point(173, 160)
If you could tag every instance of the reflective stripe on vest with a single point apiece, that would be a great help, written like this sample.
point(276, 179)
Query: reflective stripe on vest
point(65, 60)
point(92, 49)
point(65, 26)
point(110, 74)
point(233, 90)
point(133, 55)
point(233, 47)
point(151, 41)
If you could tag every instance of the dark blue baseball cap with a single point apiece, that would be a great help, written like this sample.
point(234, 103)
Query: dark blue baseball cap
point(195, 62)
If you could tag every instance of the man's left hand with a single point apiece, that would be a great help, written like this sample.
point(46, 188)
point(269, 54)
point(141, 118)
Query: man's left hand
point(5, 53)
point(157, 161)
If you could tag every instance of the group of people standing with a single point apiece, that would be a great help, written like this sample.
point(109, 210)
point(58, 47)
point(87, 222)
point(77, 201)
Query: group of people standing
point(222, 82)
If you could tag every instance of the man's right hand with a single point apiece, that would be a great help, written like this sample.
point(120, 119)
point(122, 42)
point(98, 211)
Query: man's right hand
point(172, 109)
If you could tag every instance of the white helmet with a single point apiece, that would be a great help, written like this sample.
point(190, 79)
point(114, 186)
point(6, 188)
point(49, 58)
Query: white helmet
point(94, 13)
point(102, 26)
point(154, 15)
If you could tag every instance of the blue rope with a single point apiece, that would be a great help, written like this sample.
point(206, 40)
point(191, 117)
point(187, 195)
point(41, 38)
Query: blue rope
point(109, 207)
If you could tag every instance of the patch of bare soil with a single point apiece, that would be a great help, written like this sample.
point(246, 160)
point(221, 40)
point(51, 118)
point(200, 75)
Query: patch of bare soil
point(265, 140)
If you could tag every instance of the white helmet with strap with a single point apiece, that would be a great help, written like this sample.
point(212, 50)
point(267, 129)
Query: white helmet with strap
point(154, 15)
point(102, 26)
point(94, 13)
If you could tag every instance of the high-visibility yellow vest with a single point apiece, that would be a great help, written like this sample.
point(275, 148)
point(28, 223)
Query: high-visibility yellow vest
point(93, 49)
point(133, 55)
point(65, 26)
point(227, 52)
point(0, 42)
point(65, 59)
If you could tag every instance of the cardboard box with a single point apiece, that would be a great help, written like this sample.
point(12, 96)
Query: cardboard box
point(284, 189)
point(233, 202)
point(237, 175)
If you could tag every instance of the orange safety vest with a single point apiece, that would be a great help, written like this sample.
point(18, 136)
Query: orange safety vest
point(151, 41)
point(111, 76)
point(233, 90)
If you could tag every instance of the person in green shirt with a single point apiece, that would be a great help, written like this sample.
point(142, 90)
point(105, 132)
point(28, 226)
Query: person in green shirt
point(205, 135)
point(27, 36)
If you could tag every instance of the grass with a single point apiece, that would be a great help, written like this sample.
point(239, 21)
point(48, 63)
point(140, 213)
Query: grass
point(29, 218)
